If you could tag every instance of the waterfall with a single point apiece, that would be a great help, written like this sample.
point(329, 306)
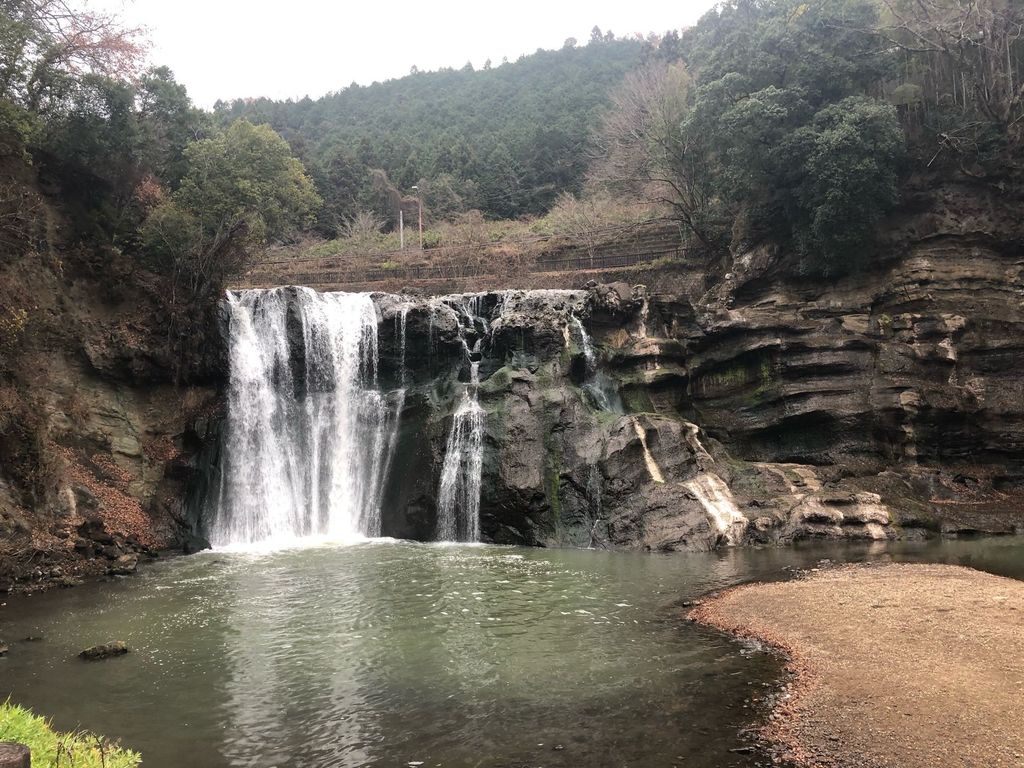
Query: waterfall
point(598, 384)
point(589, 357)
point(309, 435)
point(645, 313)
point(403, 318)
point(713, 494)
point(458, 506)
point(458, 497)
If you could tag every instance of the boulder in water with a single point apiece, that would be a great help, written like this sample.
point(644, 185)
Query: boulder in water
point(195, 543)
point(125, 565)
point(105, 650)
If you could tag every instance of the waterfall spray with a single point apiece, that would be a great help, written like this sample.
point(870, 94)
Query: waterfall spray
point(309, 435)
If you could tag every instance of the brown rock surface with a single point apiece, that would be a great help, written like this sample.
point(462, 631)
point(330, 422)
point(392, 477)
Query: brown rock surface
point(94, 430)
point(896, 666)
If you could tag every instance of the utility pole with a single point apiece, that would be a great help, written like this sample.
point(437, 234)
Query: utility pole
point(419, 207)
point(401, 229)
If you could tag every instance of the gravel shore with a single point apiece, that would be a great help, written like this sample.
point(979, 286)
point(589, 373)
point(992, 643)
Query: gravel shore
point(894, 666)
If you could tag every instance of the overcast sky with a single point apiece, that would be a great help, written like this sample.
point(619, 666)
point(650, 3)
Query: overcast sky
point(292, 48)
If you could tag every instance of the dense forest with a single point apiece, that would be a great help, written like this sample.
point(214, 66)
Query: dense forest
point(108, 169)
point(795, 123)
point(506, 139)
point(768, 121)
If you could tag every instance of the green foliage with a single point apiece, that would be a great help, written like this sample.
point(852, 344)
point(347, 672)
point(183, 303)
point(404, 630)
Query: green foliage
point(171, 232)
point(74, 103)
point(341, 179)
point(97, 131)
point(849, 157)
point(247, 173)
point(242, 188)
point(169, 124)
point(51, 749)
point(17, 128)
point(800, 152)
point(772, 131)
point(826, 48)
point(46, 47)
point(506, 139)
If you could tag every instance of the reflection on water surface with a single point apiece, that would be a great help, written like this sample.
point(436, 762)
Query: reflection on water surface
point(387, 653)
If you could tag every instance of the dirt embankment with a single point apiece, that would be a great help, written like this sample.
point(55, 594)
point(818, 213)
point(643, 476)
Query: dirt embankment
point(894, 666)
point(97, 439)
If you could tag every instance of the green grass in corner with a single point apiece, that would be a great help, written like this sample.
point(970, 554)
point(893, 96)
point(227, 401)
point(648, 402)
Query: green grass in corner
point(52, 748)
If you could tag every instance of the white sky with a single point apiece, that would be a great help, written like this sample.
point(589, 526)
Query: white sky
point(292, 48)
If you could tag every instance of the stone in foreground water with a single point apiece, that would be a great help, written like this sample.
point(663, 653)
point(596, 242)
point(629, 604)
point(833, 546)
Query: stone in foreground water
point(105, 650)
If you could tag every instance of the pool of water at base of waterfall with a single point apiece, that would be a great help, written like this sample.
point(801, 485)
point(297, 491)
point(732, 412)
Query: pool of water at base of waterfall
point(393, 653)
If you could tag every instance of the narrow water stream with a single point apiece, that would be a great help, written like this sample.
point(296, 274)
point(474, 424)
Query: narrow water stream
point(391, 654)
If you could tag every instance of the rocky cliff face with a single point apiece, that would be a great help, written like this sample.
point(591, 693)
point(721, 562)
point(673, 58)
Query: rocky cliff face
point(564, 463)
point(903, 382)
point(885, 404)
point(98, 445)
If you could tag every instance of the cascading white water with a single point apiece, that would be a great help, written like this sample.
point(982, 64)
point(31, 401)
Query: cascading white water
point(403, 321)
point(589, 357)
point(714, 495)
point(458, 496)
point(458, 504)
point(600, 386)
point(309, 436)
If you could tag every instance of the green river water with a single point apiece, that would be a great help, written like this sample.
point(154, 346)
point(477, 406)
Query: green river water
point(397, 654)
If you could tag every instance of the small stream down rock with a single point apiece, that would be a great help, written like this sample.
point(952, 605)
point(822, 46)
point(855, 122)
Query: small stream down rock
point(458, 515)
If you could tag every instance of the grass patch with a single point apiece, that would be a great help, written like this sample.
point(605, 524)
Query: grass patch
point(53, 749)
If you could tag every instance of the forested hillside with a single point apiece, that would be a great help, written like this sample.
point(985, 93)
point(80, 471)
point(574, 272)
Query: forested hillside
point(506, 139)
point(796, 125)
point(774, 122)
point(109, 168)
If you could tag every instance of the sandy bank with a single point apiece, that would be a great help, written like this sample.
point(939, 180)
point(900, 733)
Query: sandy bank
point(902, 666)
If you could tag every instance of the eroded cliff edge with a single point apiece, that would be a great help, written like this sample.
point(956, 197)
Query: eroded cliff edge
point(902, 381)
